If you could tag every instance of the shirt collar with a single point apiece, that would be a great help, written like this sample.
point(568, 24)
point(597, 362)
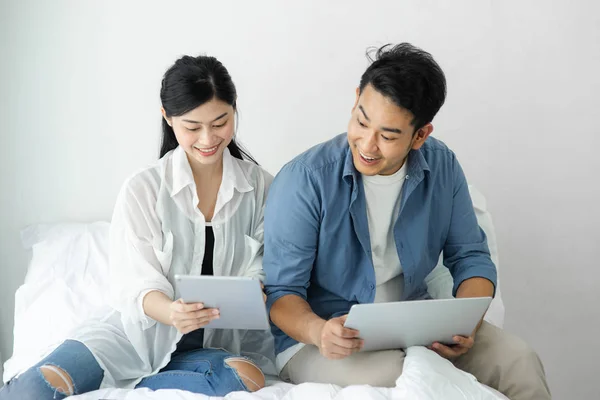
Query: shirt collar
point(233, 175)
point(417, 165)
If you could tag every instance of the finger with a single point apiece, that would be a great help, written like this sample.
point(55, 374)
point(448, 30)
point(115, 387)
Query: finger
point(449, 352)
point(347, 343)
point(338, 328)
point(193, 323)
point(182, 307)
point(206, 313)
point(464, 341)
point(192, 328)
point(187, 319)
point(336, 349)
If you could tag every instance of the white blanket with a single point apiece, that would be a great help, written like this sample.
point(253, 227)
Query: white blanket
point(426, 376)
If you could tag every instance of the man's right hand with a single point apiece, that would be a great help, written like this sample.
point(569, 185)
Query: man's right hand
point(336, 341)
point(188, 317)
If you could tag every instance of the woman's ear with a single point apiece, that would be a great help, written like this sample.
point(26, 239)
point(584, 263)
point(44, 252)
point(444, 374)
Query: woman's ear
point(168, 119)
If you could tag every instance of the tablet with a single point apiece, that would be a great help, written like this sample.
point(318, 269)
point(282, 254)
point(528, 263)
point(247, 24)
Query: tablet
point(240, 299)
point(399, 325)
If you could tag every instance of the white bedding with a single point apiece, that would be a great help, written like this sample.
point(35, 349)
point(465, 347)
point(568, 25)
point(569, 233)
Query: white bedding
point(426, 376)
point(68, 273)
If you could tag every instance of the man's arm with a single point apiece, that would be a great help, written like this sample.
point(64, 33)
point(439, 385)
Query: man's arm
point(293, 315)
point(467, 256)
point(466, 253)
point(292, 224)
point(475, 287)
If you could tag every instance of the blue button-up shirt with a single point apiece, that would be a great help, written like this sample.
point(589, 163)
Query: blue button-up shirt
point(317, 243)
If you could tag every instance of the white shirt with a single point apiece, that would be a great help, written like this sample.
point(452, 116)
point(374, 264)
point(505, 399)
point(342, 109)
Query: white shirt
point(158, 231)
point(382, 195)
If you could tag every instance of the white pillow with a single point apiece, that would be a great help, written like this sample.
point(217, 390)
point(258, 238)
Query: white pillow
point(439, 281)
point(66, 283)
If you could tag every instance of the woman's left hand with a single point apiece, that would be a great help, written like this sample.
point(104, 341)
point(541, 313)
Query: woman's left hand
point(462, 346)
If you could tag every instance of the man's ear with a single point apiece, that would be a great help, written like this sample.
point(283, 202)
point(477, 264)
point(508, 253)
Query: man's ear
point(421, 136)
point(356, 101)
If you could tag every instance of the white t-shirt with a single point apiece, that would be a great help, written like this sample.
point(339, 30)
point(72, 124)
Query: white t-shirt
point(382, 194)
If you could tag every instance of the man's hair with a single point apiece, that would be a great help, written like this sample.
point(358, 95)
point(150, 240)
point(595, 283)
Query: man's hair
point(408, 76)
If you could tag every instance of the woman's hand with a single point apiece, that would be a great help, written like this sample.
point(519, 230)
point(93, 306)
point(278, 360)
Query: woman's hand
point(188, 317)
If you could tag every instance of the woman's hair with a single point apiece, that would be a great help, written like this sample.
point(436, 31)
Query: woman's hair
point(410, 77)
point(189, 83)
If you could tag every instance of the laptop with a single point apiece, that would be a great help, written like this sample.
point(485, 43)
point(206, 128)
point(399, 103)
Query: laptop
point(399, 325)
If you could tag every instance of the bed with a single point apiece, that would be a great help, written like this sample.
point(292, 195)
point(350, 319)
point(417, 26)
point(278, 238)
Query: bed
point(68, 271)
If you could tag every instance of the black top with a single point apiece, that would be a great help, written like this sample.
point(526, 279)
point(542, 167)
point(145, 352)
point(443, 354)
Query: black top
point(195, 339)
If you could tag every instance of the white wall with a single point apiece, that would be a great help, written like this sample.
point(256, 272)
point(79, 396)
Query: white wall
point(79, 112)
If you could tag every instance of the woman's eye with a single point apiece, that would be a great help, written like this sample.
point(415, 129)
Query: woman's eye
point(360, 123)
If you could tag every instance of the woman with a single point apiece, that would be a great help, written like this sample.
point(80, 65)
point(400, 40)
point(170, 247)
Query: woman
point(199, 210)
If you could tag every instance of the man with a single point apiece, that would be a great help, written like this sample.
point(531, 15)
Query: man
point(363, 218)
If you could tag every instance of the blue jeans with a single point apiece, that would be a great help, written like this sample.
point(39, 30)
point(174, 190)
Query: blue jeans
point(201, 371)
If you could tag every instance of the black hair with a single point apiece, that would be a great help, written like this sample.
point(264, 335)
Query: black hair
point(189, 83)
point(410, 77)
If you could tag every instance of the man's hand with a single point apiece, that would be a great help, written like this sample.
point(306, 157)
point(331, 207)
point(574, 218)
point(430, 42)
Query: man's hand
point(335, 341)
point(462, 346)
point(473, 287)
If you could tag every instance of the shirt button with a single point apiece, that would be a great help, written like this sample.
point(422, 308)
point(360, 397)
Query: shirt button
point(217, 226)
point(372, 286)
point(407, 176)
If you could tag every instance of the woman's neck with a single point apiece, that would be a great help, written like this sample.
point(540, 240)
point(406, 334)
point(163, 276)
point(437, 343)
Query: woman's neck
point(208, 181)
point(205, 174)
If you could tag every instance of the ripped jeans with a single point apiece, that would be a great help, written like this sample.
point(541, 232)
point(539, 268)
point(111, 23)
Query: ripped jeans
point(204, 371)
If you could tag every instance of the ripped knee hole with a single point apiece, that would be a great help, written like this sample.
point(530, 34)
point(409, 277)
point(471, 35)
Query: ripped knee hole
point(251, 375)
point(58, 379)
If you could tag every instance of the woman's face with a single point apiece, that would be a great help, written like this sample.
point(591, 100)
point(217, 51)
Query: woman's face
point(205, 131)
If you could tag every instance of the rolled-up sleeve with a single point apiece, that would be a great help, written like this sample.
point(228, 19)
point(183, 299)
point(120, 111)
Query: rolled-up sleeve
point(466, 253)
point(254, 245)
point(292, 216)
point(135, 269)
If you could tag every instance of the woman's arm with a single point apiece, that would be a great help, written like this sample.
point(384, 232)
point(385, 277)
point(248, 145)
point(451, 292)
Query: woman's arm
point(185, 317)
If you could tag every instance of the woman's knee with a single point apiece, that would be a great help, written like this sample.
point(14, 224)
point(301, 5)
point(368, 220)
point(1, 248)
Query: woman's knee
point(58, 379)
point(248, 372)
point(70, 369)
point(46, 381)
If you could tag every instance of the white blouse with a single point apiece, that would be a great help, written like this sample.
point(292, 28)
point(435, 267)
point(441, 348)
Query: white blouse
point(157, 231)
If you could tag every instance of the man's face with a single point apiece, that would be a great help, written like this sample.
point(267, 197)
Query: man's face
point(380, 133)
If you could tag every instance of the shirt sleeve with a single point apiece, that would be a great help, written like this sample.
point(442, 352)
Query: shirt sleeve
point(466, 253)
point(135, 263)
point(292, 218)
point(255, 244)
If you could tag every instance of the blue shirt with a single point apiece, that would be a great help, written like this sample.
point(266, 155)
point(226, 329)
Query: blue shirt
point(317, 243)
